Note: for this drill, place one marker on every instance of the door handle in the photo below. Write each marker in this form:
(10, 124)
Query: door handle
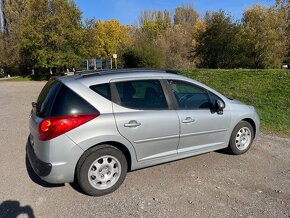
(132, 123)
(188, 120)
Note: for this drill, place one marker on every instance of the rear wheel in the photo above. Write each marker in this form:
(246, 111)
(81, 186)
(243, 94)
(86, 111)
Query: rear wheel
(241, 138)
(101, 170)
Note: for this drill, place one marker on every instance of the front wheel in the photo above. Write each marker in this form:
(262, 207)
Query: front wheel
(101, 170)
(241, 138)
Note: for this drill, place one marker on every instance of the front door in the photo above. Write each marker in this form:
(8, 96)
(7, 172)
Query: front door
(200, 126)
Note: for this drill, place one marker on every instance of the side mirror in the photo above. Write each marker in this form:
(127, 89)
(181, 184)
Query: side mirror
(219, 105)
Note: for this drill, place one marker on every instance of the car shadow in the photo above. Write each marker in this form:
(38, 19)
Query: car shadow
(13, 209)
(35, 178)
(77, 188)
(223, 151)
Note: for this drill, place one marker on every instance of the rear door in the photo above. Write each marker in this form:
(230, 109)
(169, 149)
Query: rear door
(200, 126)
(144, 117)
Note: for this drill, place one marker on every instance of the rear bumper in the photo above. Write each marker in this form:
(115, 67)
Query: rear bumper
(60, 167)
(40, 168)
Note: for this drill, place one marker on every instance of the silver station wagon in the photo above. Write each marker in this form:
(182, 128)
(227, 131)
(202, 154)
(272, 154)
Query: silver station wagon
(94, 127)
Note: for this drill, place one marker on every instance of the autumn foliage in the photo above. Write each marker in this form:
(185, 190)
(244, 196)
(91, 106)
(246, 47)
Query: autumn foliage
(51, 36)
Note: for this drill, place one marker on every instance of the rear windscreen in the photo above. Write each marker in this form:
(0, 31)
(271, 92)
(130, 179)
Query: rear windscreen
(46, 98)
(56, 99)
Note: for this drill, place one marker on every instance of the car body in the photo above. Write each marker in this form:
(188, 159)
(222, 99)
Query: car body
(149, 116)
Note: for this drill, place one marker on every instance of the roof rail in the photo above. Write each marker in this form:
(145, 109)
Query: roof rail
(89, 73)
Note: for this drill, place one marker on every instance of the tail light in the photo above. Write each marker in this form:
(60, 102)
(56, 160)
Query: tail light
(52, 127)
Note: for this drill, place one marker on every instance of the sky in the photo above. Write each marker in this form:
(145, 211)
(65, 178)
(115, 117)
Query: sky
(128, 11)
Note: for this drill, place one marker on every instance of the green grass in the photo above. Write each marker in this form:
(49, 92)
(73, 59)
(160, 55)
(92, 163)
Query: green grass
(267, 90)
(19, 78)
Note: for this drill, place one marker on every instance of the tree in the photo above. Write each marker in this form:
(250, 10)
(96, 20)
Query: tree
(90, 48)
(154, 23)
(104, 38)
(173, 39)
(185, 16)
(176, 41)
(12, 11)
(216, 45)
(197, 32)
(266, 33)
(110, 36)
(176, 45)
(283, 6)
(51, 35)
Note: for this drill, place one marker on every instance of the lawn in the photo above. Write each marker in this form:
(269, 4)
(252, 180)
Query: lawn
(267, 90)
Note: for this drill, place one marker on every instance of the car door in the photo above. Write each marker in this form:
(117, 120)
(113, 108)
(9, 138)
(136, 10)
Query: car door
(143, 117)
(201, 126)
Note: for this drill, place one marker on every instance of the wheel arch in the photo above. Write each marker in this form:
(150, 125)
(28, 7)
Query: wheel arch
(115, 144)
(122, 148)
(252, 123)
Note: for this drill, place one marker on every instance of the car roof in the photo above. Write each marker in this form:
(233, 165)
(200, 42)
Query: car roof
(103, 76)
(94, 77)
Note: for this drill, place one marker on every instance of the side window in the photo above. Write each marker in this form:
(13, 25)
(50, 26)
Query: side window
(103, 90)
(189, 96)
(142, 94)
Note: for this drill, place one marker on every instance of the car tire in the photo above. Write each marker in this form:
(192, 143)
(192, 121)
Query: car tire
(241, 138)
(101, 170)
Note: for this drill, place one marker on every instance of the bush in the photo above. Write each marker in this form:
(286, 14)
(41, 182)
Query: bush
(143, 55)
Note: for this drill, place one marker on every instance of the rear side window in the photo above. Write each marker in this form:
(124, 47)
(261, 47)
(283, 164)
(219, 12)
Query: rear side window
(46, 98)
(103, 90)
(68, 102)
(142, 94)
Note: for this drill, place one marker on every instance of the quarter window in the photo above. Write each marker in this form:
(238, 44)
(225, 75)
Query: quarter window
(143, 94)
(189, 96)
(103, 90)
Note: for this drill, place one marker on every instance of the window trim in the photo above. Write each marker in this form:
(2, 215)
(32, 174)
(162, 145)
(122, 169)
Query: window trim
(117, 100)
(210, 108)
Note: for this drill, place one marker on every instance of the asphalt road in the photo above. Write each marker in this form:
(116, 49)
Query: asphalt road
(215, 184)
